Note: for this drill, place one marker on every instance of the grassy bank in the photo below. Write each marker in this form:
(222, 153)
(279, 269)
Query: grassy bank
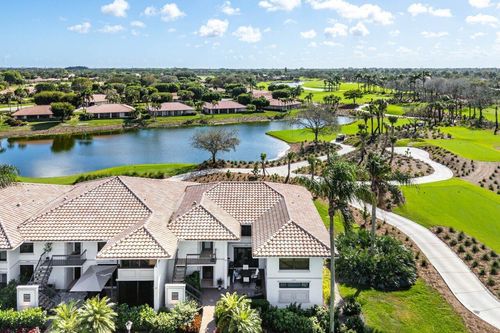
(137, 169)
(458, 204)
(418, 309)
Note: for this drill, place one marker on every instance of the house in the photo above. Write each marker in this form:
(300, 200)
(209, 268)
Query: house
(112, 110)
(276, 104)
(137, 239)
(171, 109)
(98, 99)
(224, 106)
(35, 112)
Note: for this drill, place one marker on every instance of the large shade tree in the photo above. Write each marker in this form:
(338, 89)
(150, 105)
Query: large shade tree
(318, 120)
(8, 175)
(215, 140)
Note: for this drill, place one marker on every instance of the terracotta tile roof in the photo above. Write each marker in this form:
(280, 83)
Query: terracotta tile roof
(224, 104)
(37, 110)
(99, 98)
(110, 108)
(277, 102)
(19, 202)
(173, 106)
(96, 210)
(245, 201)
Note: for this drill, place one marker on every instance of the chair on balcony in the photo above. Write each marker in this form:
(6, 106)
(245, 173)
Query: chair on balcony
(255, 275)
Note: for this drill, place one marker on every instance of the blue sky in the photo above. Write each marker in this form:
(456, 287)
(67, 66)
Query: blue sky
(250, 33)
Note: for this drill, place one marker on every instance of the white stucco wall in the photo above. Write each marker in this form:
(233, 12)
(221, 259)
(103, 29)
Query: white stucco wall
(160, 278)
(313, 276)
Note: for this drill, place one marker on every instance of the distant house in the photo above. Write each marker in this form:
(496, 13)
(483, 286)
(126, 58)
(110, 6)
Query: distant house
(171, 109)
(34, 113)
(225, 106)
(276, 104)
(111, 111)
(98, 99)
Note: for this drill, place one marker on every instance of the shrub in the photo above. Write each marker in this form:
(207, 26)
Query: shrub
(485, 257)
(194, 280)
(391, 265)
(234, 311)
(22, 320)
(461, 249)
(351, 307)
(8, 295)
(142, 316)
(474, 264)
(490, 282)
(468, 257)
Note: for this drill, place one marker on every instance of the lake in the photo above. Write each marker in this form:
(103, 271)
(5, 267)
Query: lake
(66, 154)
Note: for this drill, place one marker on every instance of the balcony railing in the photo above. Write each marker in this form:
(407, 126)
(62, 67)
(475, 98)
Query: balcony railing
(206, 257)
(68, 259)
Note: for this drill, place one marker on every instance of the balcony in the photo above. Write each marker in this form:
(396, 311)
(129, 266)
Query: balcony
(206, 257)
(66, 260)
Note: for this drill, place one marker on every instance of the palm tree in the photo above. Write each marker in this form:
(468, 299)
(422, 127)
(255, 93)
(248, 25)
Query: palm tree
(382, 180)
(313, 161)
(263, 157)
(363, 135)
(392, 120)
(338, 185)
(8, 175)
(97, 315)
(289, 157)
(65, 318)
(309, 98)
(245, 320)
(224, 309)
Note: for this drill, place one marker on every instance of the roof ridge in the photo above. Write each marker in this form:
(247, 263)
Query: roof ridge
(121, 179)
(216, 219)
(153, 237)
(2, 229)
(273, 236)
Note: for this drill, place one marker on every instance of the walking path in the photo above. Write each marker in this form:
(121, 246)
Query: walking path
(462, 282)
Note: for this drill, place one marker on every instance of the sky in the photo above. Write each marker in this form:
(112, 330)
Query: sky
(250, 33)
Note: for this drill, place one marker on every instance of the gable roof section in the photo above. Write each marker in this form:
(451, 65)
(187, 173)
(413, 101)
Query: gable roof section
(18, 203)
(96, 210)
(245, 201)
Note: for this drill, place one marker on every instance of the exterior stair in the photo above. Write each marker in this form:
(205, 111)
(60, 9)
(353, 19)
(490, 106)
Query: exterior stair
(47, 297)
(179, 273)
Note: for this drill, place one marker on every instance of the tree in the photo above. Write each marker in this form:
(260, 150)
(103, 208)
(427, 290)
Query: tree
(392, 120)
(318, 120)
(233, 314)
(263, 162)
(353, 94)
(382, 182)
(80, 84)
(13, 77)
(215, 140)
(63, 110)
(281, 93)
(210, 96)
(65, 318)
(97, 315)
(309, 98)
(289, 157)
(244, 99)
(338, 185)
(313, 161)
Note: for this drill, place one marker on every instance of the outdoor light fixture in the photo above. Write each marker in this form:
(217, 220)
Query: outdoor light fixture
(128, 326)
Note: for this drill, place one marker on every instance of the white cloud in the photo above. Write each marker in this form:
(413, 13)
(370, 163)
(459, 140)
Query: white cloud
(171, 30)
(229, 10)
(417, 8)
(394, 33)
(498, 37)
(213, 28)
(150, 11)
(368, 12)
(359, 30)
(248, 34)
(330, 43)
(480, 3)
(117, 8)
(82, 28)
(477, 35)
(111, 29)
(274, 5)
(171, 12)
(289, 21)
(431, 34)
(313, 44)
(138, 24)
(337, 30)
(308, 34)
(482, 19)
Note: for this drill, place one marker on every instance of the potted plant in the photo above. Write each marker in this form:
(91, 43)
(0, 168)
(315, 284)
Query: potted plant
(219, 283)
(47, 248)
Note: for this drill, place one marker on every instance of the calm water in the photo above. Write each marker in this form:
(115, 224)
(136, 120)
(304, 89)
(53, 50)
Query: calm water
(67, 155)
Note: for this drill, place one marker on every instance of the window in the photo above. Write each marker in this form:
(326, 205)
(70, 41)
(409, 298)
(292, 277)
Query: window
(294, 285)
(26, 298)
(26, 248)
(3, 280)
(3, 255)
(77, 248)
(246, 230)
(25, 273)
(100, 245)
(138, 263)
(243, 256)
(175, 295)
(294, 264)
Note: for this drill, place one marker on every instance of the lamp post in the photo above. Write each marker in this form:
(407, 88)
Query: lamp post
(128, 326)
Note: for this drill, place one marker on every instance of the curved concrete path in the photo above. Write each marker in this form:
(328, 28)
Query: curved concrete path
(462, 282)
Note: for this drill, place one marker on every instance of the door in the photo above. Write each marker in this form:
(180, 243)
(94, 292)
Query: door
(207, 272)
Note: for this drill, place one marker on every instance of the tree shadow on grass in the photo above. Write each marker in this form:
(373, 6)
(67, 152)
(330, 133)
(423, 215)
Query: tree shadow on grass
(44, 125)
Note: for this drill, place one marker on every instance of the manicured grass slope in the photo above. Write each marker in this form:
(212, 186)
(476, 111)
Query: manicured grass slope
(458, 204)
(140, 169)
(419, 309)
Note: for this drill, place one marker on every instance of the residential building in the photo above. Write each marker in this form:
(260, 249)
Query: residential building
(98, 99)
(35, 112)
(224, 106)
(112, 110)
(135, 239)
(276, 104)
(171, 109)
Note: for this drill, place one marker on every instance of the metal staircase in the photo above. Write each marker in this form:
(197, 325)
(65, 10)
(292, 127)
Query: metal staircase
(46, 295)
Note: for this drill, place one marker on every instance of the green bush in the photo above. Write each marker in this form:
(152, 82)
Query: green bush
(8, 295)
(194, 280)
(141, 316)
(390, 266)
(234, 314)
(27, 319)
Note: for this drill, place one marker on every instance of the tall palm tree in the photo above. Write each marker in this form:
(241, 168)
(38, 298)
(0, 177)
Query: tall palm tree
(244, 320)
(392, 120)
(8, 175)
(289, 157)
(225, 307)
(97, 315)
(263, 157)
(382, 181)
(313, 161)
(338, 185)
(65, 318)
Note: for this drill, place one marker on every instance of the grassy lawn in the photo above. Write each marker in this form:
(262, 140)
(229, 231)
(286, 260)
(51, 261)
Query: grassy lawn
(480, 145)
(419, 309)
(141, 169)
(458, 204)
